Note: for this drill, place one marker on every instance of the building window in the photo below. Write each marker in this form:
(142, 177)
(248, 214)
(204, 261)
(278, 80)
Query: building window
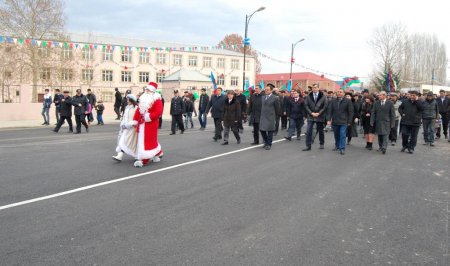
(178, 60)
(126, 56)
(108, 55)
(126, 76)
(144, 77)
(88, 54)
(221, 80)
(234, 81)
(144, 58)
(67, 53)
(220, 62)
(107, 75)
(207, 61)
(160, 77)
(235, 64)
(193, 61)
(247, 64)
(45, 73)
(43, 52)
(87, 74)
(161, 59)
(66, 74)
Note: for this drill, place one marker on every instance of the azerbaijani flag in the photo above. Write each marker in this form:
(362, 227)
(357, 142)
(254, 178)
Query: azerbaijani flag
(249, 91)
(261, 84)
(289, 86)
(213, 80)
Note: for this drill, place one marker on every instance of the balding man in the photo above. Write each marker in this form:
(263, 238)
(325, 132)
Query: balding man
(340, 114)
(383, 119)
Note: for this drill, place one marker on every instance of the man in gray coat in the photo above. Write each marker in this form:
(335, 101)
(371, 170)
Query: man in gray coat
(269, 111)
(383, 118)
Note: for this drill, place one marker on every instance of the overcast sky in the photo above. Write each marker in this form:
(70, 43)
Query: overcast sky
(336, 32)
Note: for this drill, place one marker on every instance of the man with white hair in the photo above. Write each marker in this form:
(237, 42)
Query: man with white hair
(147, 117)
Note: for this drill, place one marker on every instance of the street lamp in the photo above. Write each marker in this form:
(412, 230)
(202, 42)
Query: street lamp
(247, 41)
(292, 56)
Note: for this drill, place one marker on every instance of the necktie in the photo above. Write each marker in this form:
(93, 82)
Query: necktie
(315, 97)
(267, 97)
(382, 103)
(296, 99)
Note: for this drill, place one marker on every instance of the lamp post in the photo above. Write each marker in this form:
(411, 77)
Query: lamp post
(292, 56)
(247, 41)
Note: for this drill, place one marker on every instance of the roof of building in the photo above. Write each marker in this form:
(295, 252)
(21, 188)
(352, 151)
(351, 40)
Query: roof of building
(295, 76)
(114, 40)
(187, 75)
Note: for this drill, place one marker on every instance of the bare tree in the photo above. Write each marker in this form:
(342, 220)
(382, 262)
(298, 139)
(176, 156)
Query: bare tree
(237, 40)
(37, 20)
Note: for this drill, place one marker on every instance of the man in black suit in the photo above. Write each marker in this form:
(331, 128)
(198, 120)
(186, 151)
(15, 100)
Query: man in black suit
(65, 112)
(254, 110)
(295, 110)
(216, 105)
(383, 118)
(340, 114)
(316, 105)
(202, 104)
(284, 101)
(443, 105)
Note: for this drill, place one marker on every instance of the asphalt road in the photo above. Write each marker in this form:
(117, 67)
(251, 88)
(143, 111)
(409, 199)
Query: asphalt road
(251, 207)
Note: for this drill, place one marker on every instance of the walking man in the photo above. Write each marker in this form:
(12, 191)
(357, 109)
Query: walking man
(66, 112)
(340, 113)
(411, 112)
(176, 111)
(316, 105)
(269, 113)
(394, 131)
(57, 101)
(443, 104)
(46, 107)
(243, 107)
(93, 102)
(383, 118)
(295, 110)
(202, 104)
(80, 102)
(215, 105)
(254, 110)
(284, 101)
(117, 103)
(429, 115)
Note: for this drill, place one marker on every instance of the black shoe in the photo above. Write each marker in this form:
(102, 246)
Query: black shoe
(43, 124)
(383, 151)
(220, 137)
(299, 138)
(87, 130)
(70, 131)
(54, 130)
(410, 151)
(268, 147)
(254, 143)
(225, 143)
(403, 149)
(214, 138)
(288, 138)
(182, 131)
(370, 148)
(238, 141)
(307, 149)
(172, 133)
(432, 144)
(342, 152)
(321, 147)
(47, 124)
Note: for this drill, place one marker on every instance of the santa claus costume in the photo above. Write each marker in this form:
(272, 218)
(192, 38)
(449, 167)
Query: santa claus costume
(147, 117)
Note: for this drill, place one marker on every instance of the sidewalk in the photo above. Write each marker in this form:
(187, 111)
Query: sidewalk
(38, 123)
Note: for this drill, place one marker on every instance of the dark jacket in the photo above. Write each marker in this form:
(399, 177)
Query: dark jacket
(411, 112)
(57, 100)
(430, 109)
(443, 105)
(203, 102)
(215, 105)
(92, 99)
(340, 111)
(188, 106)
(65, 107)
(269, 113)
(118, 99)
(176, 106)
(383, 117)
(47, 102)
(254, 107)
(100, 108)
(231, 112)
(76, 101)
(284, 101)
(295, 110)
(242, 102)
(316, 107)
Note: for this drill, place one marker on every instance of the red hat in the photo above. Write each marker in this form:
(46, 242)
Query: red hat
(152, 86)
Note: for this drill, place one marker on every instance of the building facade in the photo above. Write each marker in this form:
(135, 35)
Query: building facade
(300, 80)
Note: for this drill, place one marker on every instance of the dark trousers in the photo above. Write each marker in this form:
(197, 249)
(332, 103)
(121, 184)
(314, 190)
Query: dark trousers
(117, 110)
(267, 137)
(295, 125)
(428, 130)
(177, 120)
(91, 117)
(409, 136)
(277, 124)
(256, 132)
(218, 128)
(80, 119)
(284, 120)
(445, 121)
(383, 141)
(160, 122)
(202, 118)
(394, 132)
(340, 133)
(309, 132)
(240, 125)
(226, 132)
(61, 122)
(57, 114)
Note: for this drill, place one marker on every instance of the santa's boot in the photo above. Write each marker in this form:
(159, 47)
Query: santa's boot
(118, 157)
(138, 164)
(158, 157)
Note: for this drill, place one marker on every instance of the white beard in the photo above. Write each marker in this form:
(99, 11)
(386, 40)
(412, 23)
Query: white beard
(146, 101)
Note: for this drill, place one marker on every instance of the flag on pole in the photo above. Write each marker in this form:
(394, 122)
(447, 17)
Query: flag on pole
(261, 84)
(213, 80)
(289, 86)
(246, 85)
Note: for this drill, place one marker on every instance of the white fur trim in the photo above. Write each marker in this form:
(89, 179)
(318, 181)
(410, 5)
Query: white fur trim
(141, 152)
(121, 146)
(138, 164)
(147, 117)
(150, 88)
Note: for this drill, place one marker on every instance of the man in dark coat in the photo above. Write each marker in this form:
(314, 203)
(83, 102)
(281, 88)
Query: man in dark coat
(316, 105)
(93, 102)
(340, 114)
(231, 117)
(243, 104)
(254, 110)
(411, 112)
(57, 101)
(284, 101)
(269, 113)
(202, 104)
(80, 102)
(443, 104)
(117, 102)
(295, 110)
(276, 92)
(429, 116)
(65, 111)
(383, 118)
(215, 105)
(176, 111)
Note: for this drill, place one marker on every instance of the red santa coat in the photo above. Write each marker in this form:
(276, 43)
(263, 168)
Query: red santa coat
(147, 116)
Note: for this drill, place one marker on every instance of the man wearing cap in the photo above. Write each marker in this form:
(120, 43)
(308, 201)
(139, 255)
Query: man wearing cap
(443, 104)
(202, 104)
(383, 119)
(411, 113)
(429, 115)
(147, 118)
(176, 111)
(394, 131)
(80, 102)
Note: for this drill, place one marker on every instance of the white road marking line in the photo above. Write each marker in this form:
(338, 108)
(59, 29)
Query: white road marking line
(17, 204)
